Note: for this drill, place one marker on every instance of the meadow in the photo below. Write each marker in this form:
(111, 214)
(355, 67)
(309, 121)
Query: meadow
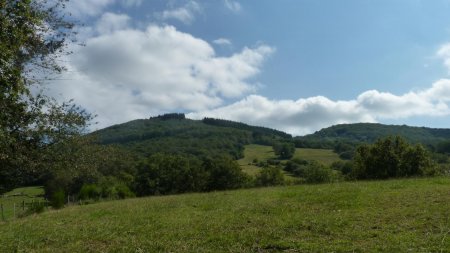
(17, 201)
(409, 215)
(263, 153)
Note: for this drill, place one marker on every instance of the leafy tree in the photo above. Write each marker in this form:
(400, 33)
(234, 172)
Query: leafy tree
(284, 150)
(270, 176)
(170, 174)
(224, 173)
(391, 157)
(32, 38)
(33, 35)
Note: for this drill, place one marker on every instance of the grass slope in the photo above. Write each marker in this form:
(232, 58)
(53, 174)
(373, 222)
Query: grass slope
(324, 156)
(389, 216)
(263, 153)
(17, 197)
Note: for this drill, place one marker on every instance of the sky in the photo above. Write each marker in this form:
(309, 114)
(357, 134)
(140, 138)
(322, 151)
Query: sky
(292, 65)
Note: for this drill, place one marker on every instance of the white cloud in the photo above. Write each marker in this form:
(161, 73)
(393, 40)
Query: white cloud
(222, 42)
(185, 14)
(233, 5)
(307, 115)
(444, 53)
(110, 22)
(123, 73)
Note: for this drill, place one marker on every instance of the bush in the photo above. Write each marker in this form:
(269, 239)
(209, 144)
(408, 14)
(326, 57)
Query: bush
(270, 176)
(89, 191)
(392, 157)
(317, 173)
(58, 199)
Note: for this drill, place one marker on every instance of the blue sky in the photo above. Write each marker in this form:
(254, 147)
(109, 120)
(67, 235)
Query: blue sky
(294, 65)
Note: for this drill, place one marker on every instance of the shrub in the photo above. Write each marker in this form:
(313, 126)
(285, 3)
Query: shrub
(270, 176)
(57, 199)
(89, 191)
(317, 173)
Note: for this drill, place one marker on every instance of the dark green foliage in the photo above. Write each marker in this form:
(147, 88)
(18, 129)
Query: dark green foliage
(443, 147)
(391, 157)
(345, 168)
(224, 173)
(356, 134)
(270, 176)
(58, 199)
(284, 150)
(309, 171)
(170, 174)
(167, 116)
(33, 35)
(89, 191)
(172, 134)
(317, 173)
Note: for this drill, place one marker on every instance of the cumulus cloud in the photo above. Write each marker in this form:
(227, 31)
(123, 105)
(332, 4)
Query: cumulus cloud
(233, 5)
(185, 14)
(444, 53)
(124, 73)
(307, 115)
(222, 42)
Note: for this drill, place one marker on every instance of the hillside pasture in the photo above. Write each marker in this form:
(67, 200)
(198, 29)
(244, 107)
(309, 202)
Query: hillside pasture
(15, 201)
(377, 216)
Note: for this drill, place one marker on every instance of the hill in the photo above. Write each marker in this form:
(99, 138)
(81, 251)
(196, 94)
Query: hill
(369, 133)
(173, 133)
(378, 216)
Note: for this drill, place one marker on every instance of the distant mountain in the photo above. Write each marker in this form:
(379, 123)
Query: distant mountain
(173, 133)
(370, 132)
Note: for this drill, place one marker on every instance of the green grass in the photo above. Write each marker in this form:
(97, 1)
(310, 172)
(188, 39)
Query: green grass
(379, 216)
(324, 156)
(18, 197)
(263, 153)
(254, 151)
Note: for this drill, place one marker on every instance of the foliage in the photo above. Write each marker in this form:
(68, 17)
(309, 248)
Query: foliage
(270, 176)
(89, 191)
(356, 134)
(33, 35)
(58, 199)
(173, 134)
(284, 150)
(391, 157)
(170, 174)
(310, 171)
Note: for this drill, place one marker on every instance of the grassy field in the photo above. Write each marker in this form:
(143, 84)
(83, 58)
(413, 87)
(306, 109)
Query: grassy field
(263, 153)
(388, 216)
(258, 152)
(18, 197)
(324, 156)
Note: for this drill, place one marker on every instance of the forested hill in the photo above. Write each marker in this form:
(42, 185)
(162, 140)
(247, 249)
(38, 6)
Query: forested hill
(370, 132)
(173, 133)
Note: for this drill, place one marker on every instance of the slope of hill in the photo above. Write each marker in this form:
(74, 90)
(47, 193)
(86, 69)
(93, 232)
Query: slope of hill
(378, 216)
(173, 133)
(370, 132)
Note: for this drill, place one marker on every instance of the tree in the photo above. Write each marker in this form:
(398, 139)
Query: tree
(391, 157)
(284, 150)
(33, 36)
(270, 176)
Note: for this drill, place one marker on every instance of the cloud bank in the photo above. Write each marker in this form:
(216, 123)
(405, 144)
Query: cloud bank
(124, 73)
(307, 115)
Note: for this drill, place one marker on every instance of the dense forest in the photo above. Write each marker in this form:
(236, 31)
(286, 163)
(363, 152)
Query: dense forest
(174, 134)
